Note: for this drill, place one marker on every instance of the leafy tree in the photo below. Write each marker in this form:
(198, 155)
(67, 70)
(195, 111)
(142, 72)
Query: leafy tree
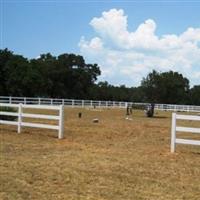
(78, 77)
(69, 76)
(18, 77)
(5, 56)
(195, 95)
(65, 76)
(151, 86)
(167, 87)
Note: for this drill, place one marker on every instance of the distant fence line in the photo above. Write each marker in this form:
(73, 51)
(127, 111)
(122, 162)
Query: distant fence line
(94, 103)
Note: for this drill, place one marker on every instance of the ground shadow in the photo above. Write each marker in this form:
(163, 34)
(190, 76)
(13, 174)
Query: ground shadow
(159, 117)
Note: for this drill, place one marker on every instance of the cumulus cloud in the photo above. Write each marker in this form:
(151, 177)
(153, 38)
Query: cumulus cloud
(126, 56)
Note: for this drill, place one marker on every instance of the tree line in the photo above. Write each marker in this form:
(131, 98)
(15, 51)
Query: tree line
(69, 76)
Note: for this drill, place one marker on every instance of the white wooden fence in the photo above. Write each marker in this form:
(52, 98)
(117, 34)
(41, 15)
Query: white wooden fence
(20, 115)
(175, 128)
(94, 103)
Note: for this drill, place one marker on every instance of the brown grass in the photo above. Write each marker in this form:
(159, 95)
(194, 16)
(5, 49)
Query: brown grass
(115, 159)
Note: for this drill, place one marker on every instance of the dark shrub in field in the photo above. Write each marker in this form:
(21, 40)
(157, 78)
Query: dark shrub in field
(5, 117)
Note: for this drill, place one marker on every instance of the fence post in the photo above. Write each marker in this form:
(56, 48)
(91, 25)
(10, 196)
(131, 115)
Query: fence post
(61, 122)
(173, 133)
(19, 118)
(82, 103)
(39, 101)
(10, 100)
(91, 103)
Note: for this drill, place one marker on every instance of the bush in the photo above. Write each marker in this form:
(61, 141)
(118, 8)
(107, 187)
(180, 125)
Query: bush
(5, 117)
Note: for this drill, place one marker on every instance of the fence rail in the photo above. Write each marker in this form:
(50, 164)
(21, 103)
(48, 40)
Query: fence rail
(93, 103)
(175, 128)
(21, 115)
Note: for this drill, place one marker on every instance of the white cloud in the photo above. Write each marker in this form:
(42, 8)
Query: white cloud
(126, 56)
(95, 44)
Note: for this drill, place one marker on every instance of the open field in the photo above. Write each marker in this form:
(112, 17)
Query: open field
(115, 159)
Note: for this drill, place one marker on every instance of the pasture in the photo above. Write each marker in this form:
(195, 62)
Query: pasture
(115, 159)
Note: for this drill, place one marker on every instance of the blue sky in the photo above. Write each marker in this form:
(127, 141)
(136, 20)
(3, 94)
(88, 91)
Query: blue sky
(31, 28)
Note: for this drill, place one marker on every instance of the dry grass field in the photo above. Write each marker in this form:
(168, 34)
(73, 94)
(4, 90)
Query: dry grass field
(115, 159)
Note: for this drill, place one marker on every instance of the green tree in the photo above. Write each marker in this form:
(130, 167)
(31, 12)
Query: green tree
(5, 56)
(151, 87)
(195, 95)
(168, 87)
(78, 77)
(65, 76)
(18, 74)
